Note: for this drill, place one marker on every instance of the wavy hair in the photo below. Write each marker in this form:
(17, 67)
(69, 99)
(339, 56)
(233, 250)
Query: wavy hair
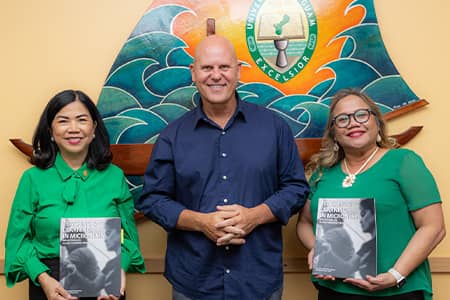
(44, 149)
(327, 157)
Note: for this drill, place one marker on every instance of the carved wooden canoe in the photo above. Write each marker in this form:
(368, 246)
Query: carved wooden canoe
(133, 158)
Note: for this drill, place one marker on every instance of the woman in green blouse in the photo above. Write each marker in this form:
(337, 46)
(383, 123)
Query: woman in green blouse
(357, 160)
(72, 177)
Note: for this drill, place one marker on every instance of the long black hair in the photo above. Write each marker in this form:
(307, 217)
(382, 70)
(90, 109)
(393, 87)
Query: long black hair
(44, 149)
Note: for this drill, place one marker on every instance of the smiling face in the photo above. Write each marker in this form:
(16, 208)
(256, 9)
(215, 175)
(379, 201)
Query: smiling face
(215, 72)
(73, 130)
(356, 136)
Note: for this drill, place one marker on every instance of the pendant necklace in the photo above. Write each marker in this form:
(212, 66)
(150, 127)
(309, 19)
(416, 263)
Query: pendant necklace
(350, 178)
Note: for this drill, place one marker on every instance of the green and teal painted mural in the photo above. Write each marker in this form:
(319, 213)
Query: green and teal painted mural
(295, 55)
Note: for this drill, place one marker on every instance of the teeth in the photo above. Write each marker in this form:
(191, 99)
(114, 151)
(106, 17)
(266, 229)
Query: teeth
(216, 87)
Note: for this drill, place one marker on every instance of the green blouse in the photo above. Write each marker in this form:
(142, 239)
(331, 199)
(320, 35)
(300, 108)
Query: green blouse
(400, 183)
(43, 197)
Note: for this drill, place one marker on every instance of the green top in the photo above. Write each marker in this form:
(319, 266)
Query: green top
(400, 183)
(43, 197)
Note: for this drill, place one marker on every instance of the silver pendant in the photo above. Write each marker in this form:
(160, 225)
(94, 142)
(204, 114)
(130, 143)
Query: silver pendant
(348, 181)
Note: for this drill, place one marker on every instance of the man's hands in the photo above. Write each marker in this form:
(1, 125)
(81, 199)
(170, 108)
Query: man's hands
(230, 224)
(232, 234)
(237, 226)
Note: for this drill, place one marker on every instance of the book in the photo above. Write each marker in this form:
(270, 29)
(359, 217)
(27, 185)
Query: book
(90, 251)
(346, 242)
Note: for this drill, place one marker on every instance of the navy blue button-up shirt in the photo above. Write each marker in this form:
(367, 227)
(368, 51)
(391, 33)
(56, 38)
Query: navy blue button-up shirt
(197, 165)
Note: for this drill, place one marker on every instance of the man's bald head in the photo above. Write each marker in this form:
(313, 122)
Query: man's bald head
(216, 72)
(214, 42)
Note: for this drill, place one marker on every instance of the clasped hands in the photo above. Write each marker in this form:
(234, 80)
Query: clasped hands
(230, 224)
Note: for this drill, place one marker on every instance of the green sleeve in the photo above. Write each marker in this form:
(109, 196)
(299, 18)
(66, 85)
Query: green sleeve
(132, 260)
(417, 183)
(21, 259)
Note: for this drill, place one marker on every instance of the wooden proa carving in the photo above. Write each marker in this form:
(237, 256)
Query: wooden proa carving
(133, 158)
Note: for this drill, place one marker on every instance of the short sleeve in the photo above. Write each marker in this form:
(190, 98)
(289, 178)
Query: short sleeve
(416, 182)
(313, 181)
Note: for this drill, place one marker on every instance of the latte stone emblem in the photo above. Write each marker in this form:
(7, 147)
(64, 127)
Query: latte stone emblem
(281, 36)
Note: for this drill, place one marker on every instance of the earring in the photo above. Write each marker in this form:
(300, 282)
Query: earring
(378, 138)
(93, 136)
(336, 147)
(52, 139)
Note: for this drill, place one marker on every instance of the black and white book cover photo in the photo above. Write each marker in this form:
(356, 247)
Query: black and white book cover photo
(346, 243)
(90, 256)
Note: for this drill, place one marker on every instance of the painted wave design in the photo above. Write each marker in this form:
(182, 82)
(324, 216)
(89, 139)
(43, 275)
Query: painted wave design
(369, 8)
(149, 84)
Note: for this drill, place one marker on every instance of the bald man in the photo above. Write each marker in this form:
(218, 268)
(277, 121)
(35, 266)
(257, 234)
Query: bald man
(222, 180)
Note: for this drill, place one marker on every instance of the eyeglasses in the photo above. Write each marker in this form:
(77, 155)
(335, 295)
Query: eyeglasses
(360, 116)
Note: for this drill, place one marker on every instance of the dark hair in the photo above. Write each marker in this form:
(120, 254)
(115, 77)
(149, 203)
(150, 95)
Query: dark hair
(366, 205)
(44, 150)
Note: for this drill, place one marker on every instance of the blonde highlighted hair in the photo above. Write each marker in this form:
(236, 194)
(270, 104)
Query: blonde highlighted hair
(327, 157)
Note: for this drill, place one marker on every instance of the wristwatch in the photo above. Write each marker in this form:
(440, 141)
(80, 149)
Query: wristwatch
(398, 277)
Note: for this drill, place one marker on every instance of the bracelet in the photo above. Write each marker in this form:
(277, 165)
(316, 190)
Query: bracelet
(399, 278)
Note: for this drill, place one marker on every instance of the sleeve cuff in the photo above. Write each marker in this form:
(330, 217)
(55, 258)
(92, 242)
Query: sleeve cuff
(278, 212)
(132, 261)
(33, 267)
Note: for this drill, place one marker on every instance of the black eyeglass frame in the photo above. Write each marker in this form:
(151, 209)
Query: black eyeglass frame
(368, 110)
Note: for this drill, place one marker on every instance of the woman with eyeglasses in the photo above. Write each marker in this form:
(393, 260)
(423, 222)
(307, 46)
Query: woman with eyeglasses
(358, 160)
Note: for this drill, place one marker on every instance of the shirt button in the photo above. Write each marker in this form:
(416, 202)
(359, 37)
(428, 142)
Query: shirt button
(227, 271)
(224, 154)
(223, 132)
(224, 177)
(225, 200)
(227, 248)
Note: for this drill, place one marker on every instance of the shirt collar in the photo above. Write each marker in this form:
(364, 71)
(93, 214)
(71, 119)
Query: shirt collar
(240, 112)
(66, 172)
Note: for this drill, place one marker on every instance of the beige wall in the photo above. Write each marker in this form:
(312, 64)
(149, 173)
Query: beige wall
(50, 45)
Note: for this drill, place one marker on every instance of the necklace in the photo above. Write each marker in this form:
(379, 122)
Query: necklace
(351, 177)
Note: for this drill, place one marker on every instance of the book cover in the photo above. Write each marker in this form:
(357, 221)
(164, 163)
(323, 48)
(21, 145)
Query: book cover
(90, 256)
(346, 242)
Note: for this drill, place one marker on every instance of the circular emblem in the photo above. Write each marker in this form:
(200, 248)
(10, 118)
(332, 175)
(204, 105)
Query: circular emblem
(281, 36)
